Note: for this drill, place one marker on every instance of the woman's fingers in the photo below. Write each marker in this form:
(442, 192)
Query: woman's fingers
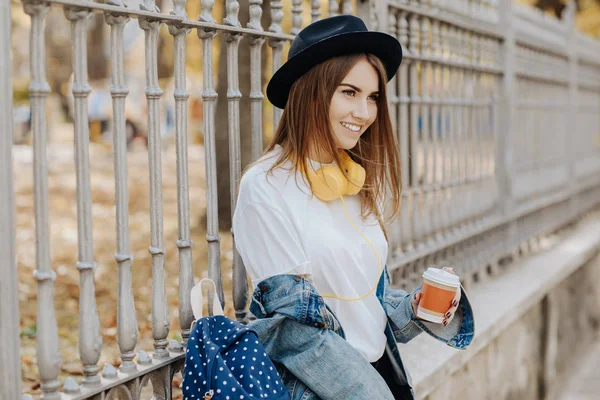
(449, 316)
(414, 301)
(450, 269)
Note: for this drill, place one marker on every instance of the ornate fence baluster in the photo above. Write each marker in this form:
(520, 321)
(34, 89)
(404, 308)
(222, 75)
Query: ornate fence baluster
(467, 91)
(315, 10)
(256, 94)
(277, 49)
(459, 133)
(478, 127)
(10, 360)
(240, 286)
(160, 312)
(404, 138)
(347, 7)
(209, 102)
(426, 187)
(127, 327)
(436, 132)
(460, 195)
(90, 340)
(446, 143)
(184, 242)
(333, 8)
(393, 83)
(394, 236)
(472, 180)
(453, 186)
(47, 351)
(494, 88)
(296, 16)
(416, 157)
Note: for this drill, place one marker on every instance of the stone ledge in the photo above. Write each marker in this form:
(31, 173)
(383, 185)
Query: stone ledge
(498, 302)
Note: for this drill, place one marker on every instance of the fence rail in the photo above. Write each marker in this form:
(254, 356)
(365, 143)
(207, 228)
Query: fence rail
(496, 108)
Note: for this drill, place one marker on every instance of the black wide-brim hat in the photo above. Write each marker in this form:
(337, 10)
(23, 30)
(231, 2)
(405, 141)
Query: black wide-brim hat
(329, 38)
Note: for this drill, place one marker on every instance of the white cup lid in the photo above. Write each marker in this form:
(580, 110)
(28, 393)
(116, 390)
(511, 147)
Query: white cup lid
(440, 276)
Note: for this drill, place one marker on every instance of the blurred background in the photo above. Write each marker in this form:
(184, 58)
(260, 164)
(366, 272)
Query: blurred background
(62, 182)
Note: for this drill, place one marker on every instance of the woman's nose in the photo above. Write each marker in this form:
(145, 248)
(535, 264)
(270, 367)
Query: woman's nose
(361, 111)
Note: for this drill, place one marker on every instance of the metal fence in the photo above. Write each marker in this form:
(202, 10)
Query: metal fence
(497, 112)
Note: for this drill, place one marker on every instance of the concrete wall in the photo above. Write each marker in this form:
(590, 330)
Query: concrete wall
(512, 366)
(533, 322)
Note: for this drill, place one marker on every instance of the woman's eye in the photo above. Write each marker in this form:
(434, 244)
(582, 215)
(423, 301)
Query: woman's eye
(374, 98)
(349, 92)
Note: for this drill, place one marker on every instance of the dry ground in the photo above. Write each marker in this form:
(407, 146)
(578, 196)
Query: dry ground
(63, 241)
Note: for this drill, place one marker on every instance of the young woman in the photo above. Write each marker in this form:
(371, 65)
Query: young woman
(310, 222)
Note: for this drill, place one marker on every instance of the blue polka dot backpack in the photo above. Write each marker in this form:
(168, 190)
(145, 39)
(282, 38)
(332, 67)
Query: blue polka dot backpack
(224, 359)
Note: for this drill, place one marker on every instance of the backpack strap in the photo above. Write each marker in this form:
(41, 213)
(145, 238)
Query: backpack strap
(197, 301)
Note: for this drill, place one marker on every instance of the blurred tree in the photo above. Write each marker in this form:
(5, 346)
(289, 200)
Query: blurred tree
(587, 17)
(166, 46)
(96, 56)
(555, 6)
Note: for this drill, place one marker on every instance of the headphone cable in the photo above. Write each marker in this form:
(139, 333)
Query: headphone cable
(332, 296)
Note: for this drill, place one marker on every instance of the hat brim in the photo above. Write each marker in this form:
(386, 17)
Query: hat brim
(383, 46)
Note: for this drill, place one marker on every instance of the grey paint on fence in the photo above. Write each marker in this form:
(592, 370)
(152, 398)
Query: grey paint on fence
(481, 87)
(10, 362)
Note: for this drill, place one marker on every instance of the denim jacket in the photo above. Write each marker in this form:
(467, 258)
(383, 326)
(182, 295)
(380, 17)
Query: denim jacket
(307, 342)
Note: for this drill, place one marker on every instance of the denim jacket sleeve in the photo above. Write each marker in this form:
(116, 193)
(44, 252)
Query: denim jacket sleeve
(405, 326)
(298, 330)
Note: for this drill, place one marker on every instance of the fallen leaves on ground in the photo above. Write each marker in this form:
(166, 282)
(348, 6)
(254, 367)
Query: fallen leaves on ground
(63, 240)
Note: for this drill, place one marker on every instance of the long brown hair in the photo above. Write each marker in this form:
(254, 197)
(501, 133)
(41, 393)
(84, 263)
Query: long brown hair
(305, 121)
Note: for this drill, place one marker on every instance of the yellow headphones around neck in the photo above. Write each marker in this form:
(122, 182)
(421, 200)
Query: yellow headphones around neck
(329, 182)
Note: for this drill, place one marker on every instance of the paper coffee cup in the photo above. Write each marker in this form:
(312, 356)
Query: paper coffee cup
(438, 291)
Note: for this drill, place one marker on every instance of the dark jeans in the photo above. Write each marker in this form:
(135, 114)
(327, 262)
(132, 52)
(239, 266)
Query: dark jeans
(385, 369)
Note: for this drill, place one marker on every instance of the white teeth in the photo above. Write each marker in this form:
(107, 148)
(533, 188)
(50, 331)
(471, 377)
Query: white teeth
(354, 128)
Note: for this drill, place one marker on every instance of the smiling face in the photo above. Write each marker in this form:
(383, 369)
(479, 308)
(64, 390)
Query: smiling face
(336, 105)
(353, 106)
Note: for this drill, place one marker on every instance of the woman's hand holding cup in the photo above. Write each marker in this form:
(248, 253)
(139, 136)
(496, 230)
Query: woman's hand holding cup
(440, 291)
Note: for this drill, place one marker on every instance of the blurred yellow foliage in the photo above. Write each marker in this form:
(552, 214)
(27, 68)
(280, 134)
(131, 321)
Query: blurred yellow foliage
(587, 18)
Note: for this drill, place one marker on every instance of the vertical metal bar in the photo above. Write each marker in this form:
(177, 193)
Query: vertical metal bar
(478, 128)
(574, 96)
(504, 120)
(333, 8)
(444, 128)
(461, 133)
(404, 139)
(468, 190)
(453, 129)
(240, 286)
(392, 84)
(296, 16)
(47, 349)
(256, 94)
(10, 361)
(465, 140)
(184, 241)
(127, 327)
(209, 103)
(425, 210)
(394, 237)
(438, 155)
(347, 7)
(90, 340)
(415, 100)
(160, 312)
(277, 49)
(315, 10)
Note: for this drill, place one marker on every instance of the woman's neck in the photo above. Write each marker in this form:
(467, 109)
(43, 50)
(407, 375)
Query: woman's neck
(321, 156)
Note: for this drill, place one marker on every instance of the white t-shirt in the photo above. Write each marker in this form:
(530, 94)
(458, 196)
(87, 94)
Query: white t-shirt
(281, 228)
